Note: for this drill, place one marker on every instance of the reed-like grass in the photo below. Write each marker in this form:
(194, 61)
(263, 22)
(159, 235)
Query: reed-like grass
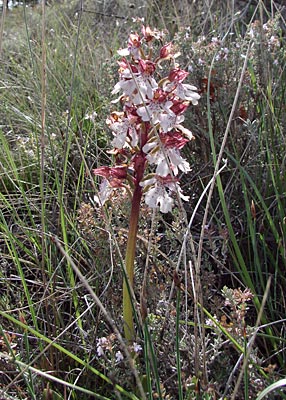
(61, 264)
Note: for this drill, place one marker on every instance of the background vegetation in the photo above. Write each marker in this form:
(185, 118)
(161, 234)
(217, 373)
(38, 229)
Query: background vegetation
(215, 269)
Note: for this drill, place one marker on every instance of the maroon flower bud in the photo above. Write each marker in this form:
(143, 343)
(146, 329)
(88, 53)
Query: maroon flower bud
(167, 51)
(119, 172)
(173, 140)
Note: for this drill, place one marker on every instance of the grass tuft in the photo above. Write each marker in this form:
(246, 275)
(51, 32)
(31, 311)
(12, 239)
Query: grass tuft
(209, 307)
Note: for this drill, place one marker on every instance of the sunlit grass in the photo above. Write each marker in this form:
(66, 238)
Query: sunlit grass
(54, 266)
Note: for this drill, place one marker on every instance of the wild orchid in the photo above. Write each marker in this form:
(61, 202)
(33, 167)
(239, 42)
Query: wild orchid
(148, 136)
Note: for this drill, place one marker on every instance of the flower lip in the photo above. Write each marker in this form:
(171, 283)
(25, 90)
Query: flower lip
(158, 192)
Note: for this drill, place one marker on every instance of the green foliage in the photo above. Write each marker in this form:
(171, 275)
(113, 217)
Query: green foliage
(51, 325)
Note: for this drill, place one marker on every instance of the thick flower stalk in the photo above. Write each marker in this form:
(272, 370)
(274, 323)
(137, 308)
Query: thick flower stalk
(148, 136)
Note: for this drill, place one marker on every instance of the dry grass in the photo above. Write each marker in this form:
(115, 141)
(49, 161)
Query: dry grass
(52, 323)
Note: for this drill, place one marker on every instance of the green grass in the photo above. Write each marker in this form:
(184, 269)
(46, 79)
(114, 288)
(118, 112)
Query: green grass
(61, 256)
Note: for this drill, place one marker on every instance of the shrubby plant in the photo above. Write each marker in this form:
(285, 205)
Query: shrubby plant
(215, 63)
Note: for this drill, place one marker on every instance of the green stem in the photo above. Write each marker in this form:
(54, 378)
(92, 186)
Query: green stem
(178, 355)
(128, 282)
